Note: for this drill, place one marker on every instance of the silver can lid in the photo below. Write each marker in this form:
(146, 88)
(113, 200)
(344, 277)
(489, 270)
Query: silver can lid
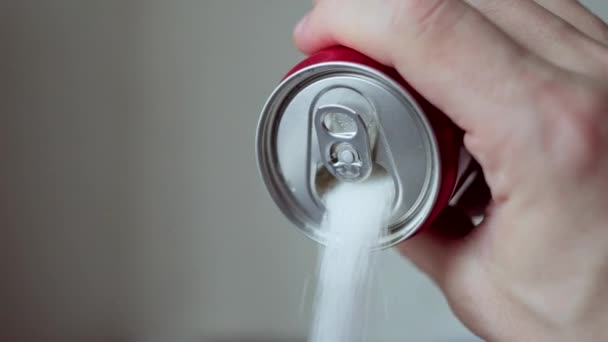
(401, 143)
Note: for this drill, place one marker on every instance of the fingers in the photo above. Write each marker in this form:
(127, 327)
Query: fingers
(541, 31)
(441, 249)
(438, 46)
(580, 17)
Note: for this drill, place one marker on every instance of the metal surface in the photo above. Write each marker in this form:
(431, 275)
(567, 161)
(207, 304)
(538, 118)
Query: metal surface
(344, 143)
(293, 167)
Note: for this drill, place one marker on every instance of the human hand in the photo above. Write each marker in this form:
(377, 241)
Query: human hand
(528, 82)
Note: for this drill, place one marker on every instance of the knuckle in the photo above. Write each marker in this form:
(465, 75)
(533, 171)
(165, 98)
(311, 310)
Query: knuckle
(574, 131)
(601, 29)
(421, 16)
(564, 30)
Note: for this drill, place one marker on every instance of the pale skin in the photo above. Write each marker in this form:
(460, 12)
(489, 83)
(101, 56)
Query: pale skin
(528, 82)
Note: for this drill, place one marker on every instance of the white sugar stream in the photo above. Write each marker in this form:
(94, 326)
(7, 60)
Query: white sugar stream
(357, 216)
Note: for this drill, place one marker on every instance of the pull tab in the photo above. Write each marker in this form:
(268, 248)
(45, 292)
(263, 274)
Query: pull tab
(344, 142)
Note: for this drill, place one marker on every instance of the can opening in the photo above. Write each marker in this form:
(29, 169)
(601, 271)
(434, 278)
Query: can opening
(325, 181)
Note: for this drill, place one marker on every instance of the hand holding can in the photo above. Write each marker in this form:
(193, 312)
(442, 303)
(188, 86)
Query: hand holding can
(528, 84)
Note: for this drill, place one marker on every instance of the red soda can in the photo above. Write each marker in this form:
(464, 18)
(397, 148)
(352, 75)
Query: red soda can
(341, 116)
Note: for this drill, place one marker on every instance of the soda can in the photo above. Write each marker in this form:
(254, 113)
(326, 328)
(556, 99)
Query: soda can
(341, 116)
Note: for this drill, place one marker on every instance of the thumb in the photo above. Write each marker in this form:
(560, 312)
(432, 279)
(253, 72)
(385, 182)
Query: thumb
(439, 249)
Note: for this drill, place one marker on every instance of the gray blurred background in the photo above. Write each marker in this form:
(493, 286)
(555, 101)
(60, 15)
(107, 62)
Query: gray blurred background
(130, 203)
